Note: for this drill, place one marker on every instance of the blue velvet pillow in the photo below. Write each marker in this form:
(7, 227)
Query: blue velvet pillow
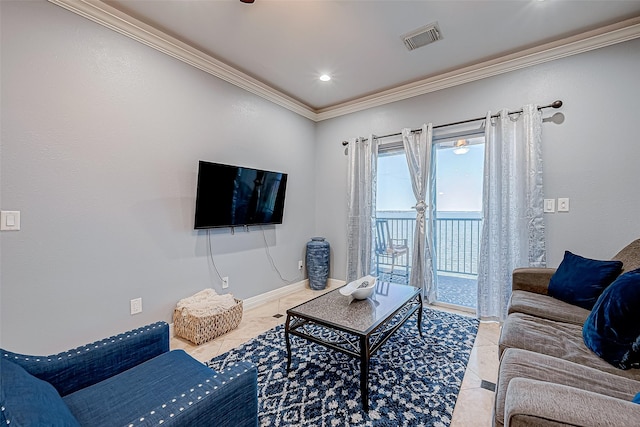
(612, 330)
(636, 399)
(29, 401)
(580, 281)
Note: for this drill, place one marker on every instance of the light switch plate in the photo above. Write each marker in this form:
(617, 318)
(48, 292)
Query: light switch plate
(10, 220)
(549, 205)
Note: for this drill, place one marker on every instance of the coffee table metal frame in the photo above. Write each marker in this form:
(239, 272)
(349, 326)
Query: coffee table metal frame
(359, 343)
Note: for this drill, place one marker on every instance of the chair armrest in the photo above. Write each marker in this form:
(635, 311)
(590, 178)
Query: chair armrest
(531, 402)
(81, 367)
(532, 279)
(228, 399)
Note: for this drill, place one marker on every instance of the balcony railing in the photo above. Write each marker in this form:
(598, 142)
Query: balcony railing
(457, 245)
(457, 242)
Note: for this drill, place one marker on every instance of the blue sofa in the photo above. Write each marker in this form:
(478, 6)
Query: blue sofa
(131, 379)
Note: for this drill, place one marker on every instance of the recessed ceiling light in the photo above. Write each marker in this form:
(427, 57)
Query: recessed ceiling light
(325, 77)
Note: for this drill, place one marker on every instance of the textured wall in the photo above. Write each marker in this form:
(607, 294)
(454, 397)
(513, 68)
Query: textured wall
(592, 157)
(101, 138)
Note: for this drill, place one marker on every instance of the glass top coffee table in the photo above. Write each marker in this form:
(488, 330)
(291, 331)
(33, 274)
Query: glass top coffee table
(355, 327)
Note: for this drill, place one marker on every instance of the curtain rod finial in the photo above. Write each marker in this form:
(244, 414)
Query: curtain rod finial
(556, 104)
(345, 143)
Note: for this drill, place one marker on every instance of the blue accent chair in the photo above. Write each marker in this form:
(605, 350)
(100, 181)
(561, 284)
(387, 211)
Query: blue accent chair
(131, 379)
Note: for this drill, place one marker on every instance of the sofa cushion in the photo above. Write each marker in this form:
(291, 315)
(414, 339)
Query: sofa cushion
(132, 394)
(630, 256)
(557, 339)
(171, 389)
(546, 307)
(580, 281)
(612, 330)
(537, 403)
(28, 401)
(517, 363)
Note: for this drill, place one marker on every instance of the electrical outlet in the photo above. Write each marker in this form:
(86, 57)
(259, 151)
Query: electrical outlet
(225, 282)
(563, 204)
(136, 306)
(300, 265)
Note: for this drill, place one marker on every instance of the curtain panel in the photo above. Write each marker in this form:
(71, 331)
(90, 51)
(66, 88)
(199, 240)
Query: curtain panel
(513, 222)
(419, 151)
(361, 193)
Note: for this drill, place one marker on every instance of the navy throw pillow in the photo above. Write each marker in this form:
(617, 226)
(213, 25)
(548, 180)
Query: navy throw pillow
(29, 401)
(580, 281)
(612, 330)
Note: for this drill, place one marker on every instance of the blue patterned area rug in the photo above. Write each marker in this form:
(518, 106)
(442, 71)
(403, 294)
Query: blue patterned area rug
(413, 381)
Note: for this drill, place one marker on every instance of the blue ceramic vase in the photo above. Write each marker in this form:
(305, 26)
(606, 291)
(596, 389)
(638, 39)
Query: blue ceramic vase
(318, 263)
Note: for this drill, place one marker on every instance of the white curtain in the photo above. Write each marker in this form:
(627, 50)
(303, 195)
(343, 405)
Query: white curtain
(513, 224)
(418, 148)
(361, 193)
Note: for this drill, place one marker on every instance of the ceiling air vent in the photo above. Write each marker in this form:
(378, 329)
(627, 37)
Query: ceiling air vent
(422, 36)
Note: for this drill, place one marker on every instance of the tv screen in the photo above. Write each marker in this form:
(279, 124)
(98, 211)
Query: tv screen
(232, 196)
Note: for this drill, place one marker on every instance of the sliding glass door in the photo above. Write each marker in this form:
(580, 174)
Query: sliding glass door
(459, 178)
(459, 172)
(395, 217)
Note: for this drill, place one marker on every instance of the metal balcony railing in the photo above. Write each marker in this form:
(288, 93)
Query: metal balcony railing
(457, 245)
(457, 242)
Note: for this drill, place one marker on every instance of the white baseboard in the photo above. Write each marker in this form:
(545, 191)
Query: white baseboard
(276, 294)
(335, 283)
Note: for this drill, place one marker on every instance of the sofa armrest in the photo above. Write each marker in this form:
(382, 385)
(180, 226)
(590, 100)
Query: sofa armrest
(532, 279)
(81, 367)
(531, 402)
(228, 399)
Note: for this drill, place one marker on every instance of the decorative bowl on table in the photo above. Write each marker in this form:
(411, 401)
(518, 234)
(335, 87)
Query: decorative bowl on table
(361, 288)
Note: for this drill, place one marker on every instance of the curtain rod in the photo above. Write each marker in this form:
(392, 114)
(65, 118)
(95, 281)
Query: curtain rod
(555, 104)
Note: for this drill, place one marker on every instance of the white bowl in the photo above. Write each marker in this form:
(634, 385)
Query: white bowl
(353, 289)
(364, 293)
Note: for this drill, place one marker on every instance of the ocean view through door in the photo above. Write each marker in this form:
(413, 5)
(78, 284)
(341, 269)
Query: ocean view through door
(459, 178)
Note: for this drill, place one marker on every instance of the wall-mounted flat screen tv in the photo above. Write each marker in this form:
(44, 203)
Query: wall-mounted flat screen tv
(234, 196)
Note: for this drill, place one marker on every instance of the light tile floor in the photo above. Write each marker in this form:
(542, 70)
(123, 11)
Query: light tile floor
(474, 406)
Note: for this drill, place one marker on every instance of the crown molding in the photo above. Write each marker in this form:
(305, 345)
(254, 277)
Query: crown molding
(122, 23)
(584, 42)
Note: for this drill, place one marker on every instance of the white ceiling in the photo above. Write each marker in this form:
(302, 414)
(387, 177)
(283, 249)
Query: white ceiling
(287, 45)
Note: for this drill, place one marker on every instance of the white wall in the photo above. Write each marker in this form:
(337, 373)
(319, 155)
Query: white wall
(101, 138)
(592, 157)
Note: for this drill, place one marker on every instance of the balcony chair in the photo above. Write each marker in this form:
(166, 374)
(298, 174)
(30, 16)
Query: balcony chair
(388, 247)
(131, 379)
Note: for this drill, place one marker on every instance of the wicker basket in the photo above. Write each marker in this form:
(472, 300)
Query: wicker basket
(201, 329)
